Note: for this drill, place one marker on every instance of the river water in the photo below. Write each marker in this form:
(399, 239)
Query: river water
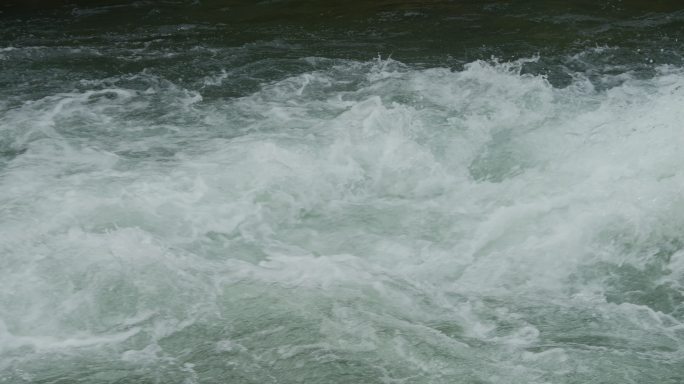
(368, 192)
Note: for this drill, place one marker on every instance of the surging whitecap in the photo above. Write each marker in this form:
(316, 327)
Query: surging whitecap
(365, 222)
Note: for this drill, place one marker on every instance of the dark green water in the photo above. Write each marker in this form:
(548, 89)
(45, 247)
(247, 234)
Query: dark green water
(363, 192)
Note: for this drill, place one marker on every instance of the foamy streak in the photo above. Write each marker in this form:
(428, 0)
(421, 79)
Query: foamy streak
(429, 225)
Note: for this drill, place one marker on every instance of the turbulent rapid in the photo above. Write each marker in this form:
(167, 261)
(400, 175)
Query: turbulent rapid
(343, 221)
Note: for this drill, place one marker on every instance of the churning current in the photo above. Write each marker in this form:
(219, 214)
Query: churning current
(277, 213)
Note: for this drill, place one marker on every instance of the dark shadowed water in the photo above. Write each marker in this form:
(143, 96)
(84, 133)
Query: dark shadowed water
(485, 192)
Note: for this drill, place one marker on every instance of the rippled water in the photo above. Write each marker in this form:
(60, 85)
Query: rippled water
(287, 192)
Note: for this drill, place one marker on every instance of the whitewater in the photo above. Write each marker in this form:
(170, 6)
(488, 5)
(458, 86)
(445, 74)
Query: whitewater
(359, 222)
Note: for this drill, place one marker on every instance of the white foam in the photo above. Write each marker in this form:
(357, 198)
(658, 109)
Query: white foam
(388, 201)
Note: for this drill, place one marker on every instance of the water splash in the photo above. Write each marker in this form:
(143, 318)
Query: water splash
(362, 222)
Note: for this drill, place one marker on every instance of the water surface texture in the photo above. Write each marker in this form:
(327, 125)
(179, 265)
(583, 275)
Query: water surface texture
(397, 192)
